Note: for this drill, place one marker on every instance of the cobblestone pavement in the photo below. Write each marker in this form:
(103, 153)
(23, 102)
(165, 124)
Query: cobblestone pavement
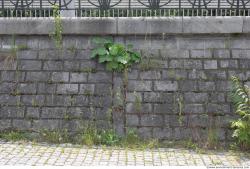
(23, 153)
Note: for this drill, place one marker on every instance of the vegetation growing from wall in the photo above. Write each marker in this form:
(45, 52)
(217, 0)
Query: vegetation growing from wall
(241, 126)
(115, 56)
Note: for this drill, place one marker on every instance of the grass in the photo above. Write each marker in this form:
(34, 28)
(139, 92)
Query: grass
(90, 136)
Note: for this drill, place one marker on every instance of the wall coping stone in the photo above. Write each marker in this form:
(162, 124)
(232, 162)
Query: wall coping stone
(127, 26)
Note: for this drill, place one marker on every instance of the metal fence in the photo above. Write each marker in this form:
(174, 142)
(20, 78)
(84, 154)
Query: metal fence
(125, 8)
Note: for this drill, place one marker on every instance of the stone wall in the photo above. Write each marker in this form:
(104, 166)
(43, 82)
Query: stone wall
(178, 91)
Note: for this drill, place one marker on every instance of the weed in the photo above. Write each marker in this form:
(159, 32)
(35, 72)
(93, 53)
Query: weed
(57, 34)
(109, 137)
(13, 135)
(56, 136)
(138, 102)
(212, 140)
(89, 136)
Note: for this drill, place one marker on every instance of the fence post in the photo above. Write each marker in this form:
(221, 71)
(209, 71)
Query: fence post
(70, 10)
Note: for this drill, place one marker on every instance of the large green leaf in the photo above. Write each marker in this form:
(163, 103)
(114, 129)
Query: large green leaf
(98, 51)
(112, 65)
(98, 40)
(104, 58)
(116, 49)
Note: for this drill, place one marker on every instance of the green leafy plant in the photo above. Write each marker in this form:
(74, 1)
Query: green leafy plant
(240, 96)
(115, 56)
(109, 137)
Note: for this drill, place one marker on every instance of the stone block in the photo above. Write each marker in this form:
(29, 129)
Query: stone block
(67, 88)
(90, 89)
(174, 53)
(165, 86)
(148, 75)
(12, 112)
(32, 113)
(132, 120)
(210, 64)
(60, 76)
(230, 64)
(29, 65)
(103, 77)
(37, 76)
(53, 65)
(212, 24)
(162, 133)
(194, 108)
(218, 108)
(205, 53)
(165, 108)
(158, 97)
(206, 86)
(174, 74)
(192, 97)
(71, 66)
(152, 120)
(53, 112)
(46, 88)
(216, 74)
(221, 53)
(145, 132)
(6, 99)
(27, 54)
(5, 124)
(26, 88)
(140, 108)
(58, 100)
(21, 124)
(78, 77)
(240, 54)
(33, 100)
(136, 85)
(188, 85)
(48, 124)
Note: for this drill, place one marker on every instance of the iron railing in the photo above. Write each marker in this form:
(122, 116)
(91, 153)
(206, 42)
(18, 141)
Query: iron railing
(125, 8)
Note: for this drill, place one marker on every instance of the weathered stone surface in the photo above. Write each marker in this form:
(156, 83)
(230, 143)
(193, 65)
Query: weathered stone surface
(201, 53)
(179, 90)
(60, 76)
(55, 113)
(37, 76)
(21, 124)
(165, 86)
(158, 97)
(162, 133)
(132, 120)
(151, 120)
(196, 97)
(5, 124)
(33, 112)
(138, 108)
(212, 25)
(12, 112)
(67, 88)
(193, 108)
(100, 77)
(210, 64)
(135, 85)
(78, 77)
(39, 125)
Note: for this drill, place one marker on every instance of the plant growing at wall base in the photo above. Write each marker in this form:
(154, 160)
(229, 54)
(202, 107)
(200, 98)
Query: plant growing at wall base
(241, 99)
(115, 56)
